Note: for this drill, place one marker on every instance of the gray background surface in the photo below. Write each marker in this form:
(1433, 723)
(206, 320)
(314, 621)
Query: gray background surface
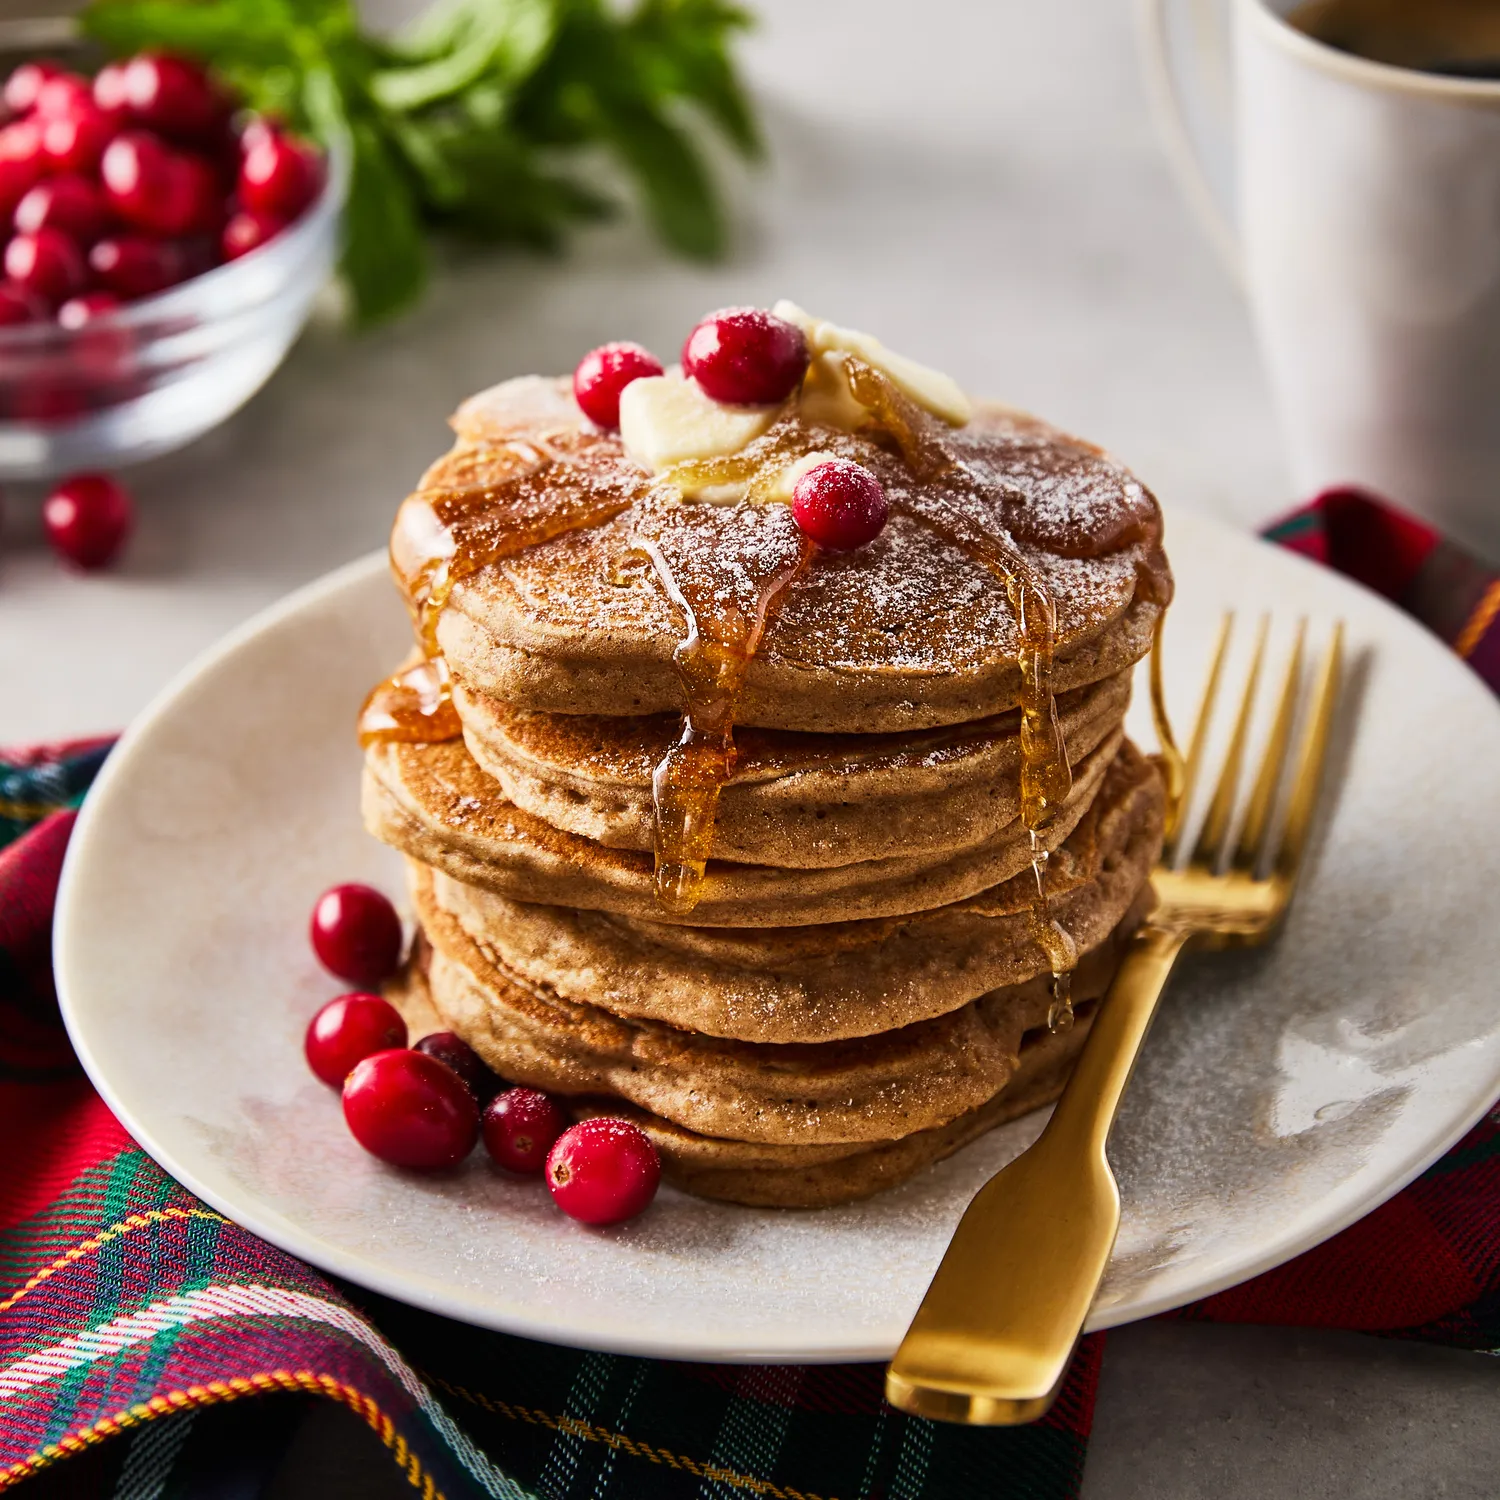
(980, 184)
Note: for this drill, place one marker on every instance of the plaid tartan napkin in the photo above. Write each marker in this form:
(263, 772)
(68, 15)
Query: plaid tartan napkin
(134, 1320)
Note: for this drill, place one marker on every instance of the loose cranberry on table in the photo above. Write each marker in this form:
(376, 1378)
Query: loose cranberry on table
(602, 1171)
(448, 1047)
(48, 264)
(602, 375)
(279, 176)
(87, 519)
(356, 934)
(520, 1127)
(840, 505)
(69, 202)
(349, 1029)
(745, 356)
(410, 1110)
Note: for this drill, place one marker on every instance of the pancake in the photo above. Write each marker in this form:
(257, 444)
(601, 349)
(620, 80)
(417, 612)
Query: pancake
(767, 1176)
(907, 632)
(869, 1089)
(433, 803)
(793, 800)
(825, 983)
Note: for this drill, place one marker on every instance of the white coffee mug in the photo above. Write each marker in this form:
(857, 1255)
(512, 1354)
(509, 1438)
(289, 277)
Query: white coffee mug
(1360, 205)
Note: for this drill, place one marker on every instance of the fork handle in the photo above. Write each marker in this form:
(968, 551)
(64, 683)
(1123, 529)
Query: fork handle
(991, 1341)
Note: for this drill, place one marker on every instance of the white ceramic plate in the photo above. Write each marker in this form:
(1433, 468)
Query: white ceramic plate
(1282, 1095)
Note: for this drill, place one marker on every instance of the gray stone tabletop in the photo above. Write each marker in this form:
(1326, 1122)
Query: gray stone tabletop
(979, 184)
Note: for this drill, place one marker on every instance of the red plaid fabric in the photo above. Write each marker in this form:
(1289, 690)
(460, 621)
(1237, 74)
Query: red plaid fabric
(135, 1322)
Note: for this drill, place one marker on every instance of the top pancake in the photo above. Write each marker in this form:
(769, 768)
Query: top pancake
(907, 632)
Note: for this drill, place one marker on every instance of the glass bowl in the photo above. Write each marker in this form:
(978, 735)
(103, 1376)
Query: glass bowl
(161, 371)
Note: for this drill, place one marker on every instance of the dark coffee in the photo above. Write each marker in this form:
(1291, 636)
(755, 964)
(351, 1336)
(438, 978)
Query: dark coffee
(1458, 37)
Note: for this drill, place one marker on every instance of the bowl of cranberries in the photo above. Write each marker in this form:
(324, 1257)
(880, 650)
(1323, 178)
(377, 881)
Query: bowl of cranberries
(160, 249)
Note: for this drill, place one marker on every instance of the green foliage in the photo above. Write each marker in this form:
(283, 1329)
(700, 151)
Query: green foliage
(475, 117)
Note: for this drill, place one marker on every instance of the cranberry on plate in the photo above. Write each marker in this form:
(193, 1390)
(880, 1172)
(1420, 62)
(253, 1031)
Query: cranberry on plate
(603, 1171)
(87, 519)
(411, 1110)
(746, 356)
(602, 375)
(448, 1047)
(356, 934)
(520, 1127)
(840, 505)
(349, 1029)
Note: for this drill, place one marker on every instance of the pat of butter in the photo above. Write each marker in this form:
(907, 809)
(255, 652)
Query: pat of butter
(931, 389)
(779, 490)
(667, 420)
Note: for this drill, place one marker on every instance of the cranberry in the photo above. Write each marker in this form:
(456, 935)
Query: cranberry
(70, 203)
(520, 1127)
(603, 1170)
(21, 162)
(246, 232)
(356, 934)
(410, 1110)
(840, 505)
(25, 84)
(450, 1048)
(79, 312)
(87, 519)
(132, 266)
(158, 189)
(109, 87)
(74, 142)
(745, 356)
(279, 176)
(172, 95)
(18, 305)
(47, 264)
(63, 94)
(349, 1029)
(603, 373)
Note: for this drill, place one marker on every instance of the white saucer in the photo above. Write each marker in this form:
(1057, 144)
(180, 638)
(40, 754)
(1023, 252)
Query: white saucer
(1282, 1095)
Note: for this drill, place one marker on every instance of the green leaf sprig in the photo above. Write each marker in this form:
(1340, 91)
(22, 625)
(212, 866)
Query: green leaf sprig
(478, 117)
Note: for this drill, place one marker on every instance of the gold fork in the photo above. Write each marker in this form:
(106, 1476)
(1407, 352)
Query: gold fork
(993, 1336)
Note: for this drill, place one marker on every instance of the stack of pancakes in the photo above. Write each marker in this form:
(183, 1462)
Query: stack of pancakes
(860, 988)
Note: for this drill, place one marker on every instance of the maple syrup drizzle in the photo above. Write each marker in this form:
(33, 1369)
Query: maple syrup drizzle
(725, 596)
(413, 707)
(939, 504)
(478, 506)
